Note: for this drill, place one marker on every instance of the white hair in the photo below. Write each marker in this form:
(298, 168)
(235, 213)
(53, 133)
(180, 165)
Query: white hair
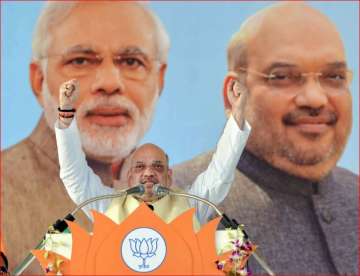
(56, 11)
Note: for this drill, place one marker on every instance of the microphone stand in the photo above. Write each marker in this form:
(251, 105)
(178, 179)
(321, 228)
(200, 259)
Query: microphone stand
(233, 224)
(60, 225)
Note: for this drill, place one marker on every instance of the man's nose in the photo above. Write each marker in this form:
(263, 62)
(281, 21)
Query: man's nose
(108, 79)
(312, 95)
(148, 172)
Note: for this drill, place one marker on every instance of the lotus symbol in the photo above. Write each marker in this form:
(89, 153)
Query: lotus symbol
(144, 248)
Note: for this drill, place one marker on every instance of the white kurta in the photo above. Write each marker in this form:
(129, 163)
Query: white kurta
(213, 184)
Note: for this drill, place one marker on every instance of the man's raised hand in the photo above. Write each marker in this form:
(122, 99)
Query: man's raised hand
(238, 96)
(68, 94)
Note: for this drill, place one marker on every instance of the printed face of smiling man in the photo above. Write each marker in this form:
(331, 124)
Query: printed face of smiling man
(299, 103)
(116, 63)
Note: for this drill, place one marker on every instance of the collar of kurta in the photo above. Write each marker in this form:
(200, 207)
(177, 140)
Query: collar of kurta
(334, 204)
(272, 178)
(168, 208)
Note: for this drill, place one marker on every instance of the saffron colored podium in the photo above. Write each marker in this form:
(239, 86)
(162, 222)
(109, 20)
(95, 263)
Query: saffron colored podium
(144, 244)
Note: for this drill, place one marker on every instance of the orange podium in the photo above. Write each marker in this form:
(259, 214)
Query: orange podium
(144, 244)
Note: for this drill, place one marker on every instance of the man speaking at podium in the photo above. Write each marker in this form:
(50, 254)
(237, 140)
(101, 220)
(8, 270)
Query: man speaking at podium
(148, 164)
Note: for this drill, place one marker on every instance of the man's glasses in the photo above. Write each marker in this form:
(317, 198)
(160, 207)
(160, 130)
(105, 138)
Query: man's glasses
(131, 66)
(333, 80)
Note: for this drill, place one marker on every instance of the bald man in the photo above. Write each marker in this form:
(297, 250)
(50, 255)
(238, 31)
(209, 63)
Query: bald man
(296, 204)
(148, 166)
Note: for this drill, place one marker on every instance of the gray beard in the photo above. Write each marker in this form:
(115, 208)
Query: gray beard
(104, 141)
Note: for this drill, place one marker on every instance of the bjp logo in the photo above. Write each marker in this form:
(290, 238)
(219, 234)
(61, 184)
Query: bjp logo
(145, 244)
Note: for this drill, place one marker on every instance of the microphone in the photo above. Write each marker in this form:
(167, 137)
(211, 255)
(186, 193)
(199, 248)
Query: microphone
(60, 225)
(233, 224)
(163, 191)
(160, 190)
(139, 189)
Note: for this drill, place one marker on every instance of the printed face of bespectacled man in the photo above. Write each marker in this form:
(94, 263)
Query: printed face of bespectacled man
(149, 166)
(111, 49)
(301, 112)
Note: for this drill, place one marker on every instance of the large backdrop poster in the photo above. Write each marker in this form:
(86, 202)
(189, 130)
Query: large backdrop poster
(190, 115)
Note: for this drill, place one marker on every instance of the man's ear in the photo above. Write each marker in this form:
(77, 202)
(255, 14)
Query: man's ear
(36, 80)
(129, 177)
(161, 77)
(229, 82)
(169, 178)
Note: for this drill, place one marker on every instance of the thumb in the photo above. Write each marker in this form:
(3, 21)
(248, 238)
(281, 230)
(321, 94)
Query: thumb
(69, 92)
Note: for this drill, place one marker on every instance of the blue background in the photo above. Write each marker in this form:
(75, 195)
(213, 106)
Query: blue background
(190, 114)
